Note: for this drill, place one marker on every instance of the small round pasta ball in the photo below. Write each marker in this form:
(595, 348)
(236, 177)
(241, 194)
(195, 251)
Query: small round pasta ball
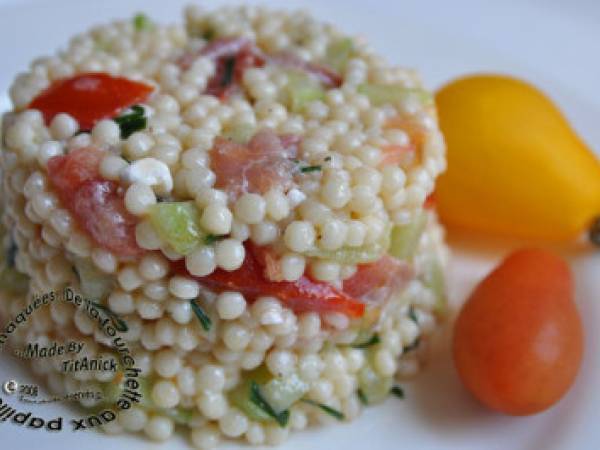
(159, 428)
(153, 266)
(292, 266)
(106, 132)
(230, 305)
(165, 394)
(133, 419)
(216, 218)
(167, 363)
(333, 234)
(111, 166)
(234, 423)
(205, 438)
(255, 434)
(146, 236)
(264, 233)
(336, 193)
(236, 336)
(324, 270)
(138, 145)
(281, 362)
(299, 236)
(211, 377)
(63, 126)
(139, 198)
(277, 205)
(229, 254)
(184, 287)
(250, 208)
(202, 261)
(212, 404)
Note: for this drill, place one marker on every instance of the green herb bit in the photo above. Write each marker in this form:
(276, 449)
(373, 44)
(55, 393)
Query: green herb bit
(595, 232)
(397, 391)
(309, 169)
(142, 22)
(257, 398)
(119, 323)
(412, 314)
(76, 272)
(413, 346)
(373, 341)
(131, 122)
(362, 397)
(212, 238)
(201, 315)
(208, 35)
(328, 409)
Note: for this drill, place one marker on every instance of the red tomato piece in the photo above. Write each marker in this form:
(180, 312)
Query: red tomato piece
(96, 204)
(375, 281)
(90, 97)
(301, 295)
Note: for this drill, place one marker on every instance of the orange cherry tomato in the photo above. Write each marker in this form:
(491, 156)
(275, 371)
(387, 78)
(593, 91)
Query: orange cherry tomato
(518, 340)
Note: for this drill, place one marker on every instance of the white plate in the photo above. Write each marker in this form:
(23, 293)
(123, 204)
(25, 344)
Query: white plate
(552, 43)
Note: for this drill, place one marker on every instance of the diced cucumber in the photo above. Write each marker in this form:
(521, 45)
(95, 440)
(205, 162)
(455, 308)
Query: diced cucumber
(280, 393)
(405, 238)
(180, 416)
(339, 53)
(178, 224)
(241, 133)
(94, 284)
(435, 280)
(301, 90)
(240, 397)
(380, 94)
(355, 255)
(373, 387)
(283, 392)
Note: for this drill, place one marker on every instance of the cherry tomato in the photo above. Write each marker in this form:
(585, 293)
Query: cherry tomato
(518, 341)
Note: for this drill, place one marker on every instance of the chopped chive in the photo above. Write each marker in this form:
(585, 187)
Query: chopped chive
(257, 398)
(212, 238)
(397, 391)
(201, 315)
(228, 71)
(595, 232)
(76, 272)
(413, 346)
(412, 314)
(309, 169)
(11, 253)
(328, 409)
(374, 340)
(208, 35)
(141, 22)
(362, 397)
(131, 122)
(119, 323)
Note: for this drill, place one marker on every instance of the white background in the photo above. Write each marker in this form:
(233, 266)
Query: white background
(555, 44)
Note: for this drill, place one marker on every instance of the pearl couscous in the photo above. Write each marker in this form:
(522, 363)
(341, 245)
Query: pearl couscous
(248, 196)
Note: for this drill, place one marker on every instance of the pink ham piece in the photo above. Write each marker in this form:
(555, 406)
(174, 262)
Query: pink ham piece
(374, 282)
(265, 162)
(96, 204)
